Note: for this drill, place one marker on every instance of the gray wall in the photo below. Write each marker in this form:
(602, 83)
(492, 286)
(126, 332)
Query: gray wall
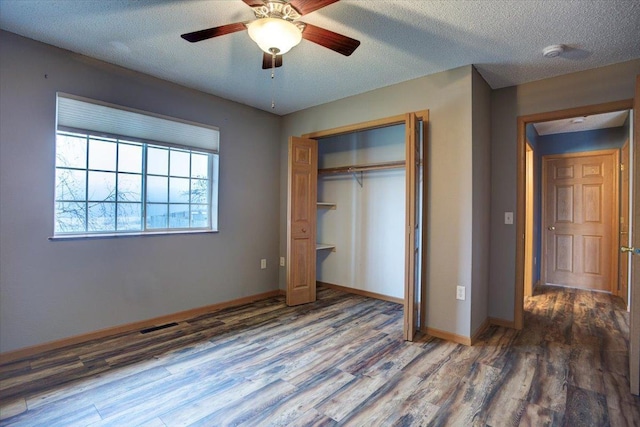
(600, 85)
(481, 133)
(51, 290)
(447, 96)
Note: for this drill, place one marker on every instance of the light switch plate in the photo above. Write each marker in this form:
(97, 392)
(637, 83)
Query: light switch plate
(281, 261)
(460, 293)
(263, 264)
(508, 217)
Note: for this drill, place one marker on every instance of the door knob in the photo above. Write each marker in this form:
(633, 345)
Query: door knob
(551, 228)
(625, 249)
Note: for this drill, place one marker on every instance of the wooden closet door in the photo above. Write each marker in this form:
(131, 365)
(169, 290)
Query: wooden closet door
(301, 220)
(411, 292)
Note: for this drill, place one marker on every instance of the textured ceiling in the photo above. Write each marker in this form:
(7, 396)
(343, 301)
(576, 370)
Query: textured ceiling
(401, 40)
(596, 121)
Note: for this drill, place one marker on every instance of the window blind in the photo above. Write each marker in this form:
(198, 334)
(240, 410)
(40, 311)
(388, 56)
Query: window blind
(96, 116)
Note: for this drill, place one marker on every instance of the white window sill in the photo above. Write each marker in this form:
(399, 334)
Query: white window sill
(120, 235)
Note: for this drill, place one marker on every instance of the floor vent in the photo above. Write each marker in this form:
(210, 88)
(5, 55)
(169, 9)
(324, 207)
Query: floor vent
(157, 328)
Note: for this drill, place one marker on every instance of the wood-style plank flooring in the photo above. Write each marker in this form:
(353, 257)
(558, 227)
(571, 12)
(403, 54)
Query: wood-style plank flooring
(339, 361)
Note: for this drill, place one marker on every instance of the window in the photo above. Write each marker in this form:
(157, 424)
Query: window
(113, 184)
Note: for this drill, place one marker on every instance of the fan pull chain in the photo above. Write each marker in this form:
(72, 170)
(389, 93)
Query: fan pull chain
(273, 77)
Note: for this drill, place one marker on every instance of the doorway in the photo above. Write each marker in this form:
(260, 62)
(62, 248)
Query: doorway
(522, 212)
(521, 229)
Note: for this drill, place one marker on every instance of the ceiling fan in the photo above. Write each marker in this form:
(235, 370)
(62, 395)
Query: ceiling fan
(275, 31)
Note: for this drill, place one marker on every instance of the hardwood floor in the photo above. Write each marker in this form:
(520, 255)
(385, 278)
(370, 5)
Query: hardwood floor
(339, 361)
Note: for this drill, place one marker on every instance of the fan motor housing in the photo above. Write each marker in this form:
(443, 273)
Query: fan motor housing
(276, 9)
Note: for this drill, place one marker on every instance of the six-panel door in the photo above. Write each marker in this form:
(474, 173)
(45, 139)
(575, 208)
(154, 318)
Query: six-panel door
(579, 212)
(301, 221)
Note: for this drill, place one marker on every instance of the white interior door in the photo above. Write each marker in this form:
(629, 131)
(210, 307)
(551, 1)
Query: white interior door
(634, 330)
(625, 197)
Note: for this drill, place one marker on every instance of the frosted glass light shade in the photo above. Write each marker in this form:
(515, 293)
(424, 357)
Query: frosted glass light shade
(274, 33)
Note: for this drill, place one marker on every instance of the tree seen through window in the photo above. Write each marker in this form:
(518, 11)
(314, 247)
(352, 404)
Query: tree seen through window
(107, 185)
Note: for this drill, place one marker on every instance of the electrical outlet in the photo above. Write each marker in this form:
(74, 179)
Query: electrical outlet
(281, 261)
(460, 290)
(263, 263)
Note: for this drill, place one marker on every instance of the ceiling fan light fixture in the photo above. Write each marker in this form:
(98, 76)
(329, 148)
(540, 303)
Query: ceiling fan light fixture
(274, 35)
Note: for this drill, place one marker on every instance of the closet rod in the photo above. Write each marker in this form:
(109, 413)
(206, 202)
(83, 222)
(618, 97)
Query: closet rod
(363, 168)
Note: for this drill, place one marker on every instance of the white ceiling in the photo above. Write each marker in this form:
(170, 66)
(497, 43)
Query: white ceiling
(401, 40)
(593, 122)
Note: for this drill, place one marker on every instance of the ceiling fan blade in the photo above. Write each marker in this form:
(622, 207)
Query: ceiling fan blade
(307, 6)
(267, 61)
(334, 41)
(209, 33)
(254, 3)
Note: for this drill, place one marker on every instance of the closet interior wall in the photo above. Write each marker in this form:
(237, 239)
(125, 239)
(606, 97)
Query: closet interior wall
(367, 225)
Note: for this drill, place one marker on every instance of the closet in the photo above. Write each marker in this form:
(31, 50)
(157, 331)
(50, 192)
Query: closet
(355, 213)
(361, 211)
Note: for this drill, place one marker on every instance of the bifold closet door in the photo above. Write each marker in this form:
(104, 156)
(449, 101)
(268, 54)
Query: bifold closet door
(412, 294)
(302, 188)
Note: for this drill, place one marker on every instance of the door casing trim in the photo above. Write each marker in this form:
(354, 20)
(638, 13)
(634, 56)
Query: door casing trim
(421, 115)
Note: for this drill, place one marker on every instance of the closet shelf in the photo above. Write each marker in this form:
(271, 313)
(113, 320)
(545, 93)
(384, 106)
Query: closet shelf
(326, 205)
(400, 164)
(324, 246)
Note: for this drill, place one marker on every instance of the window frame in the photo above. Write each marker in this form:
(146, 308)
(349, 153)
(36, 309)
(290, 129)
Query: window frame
(212, 181)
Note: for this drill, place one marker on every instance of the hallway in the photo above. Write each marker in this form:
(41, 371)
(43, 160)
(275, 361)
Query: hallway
(585, 337)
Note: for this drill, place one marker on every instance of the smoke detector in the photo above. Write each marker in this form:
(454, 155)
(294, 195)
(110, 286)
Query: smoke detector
(553, 51)
(578, 120)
